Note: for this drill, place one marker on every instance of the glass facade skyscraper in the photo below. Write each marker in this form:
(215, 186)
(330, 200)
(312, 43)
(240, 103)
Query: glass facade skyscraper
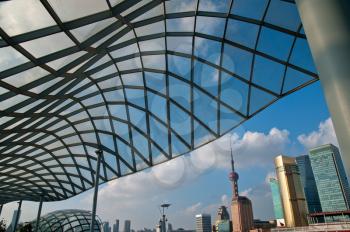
(276, 198)
(309, 184)
(330, 177)
(203, 223)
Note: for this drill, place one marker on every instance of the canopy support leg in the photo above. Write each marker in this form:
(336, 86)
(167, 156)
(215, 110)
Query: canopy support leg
(17, 216)
(38, 215)
(97, 179)
(327, 27)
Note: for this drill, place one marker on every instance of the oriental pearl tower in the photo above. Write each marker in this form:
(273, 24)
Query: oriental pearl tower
(241, 206)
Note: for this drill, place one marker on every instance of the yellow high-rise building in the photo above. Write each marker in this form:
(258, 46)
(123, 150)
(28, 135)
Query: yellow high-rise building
(292, 193)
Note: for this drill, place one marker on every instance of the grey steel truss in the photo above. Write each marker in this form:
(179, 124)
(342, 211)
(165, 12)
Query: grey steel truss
(144, 81)
(67, 220)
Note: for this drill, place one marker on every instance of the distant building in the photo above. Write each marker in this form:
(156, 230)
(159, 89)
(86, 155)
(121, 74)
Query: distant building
(241, 207)
(170, 227)
(277, 202)
(331, 181)
(203, 223)
(127, 226)
(116, 226)
(222, 223)
(106, 227)
(309, 184)
(292, 193)
(260, 225)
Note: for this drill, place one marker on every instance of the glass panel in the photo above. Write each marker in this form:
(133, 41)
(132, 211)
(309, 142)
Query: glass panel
(26, 77)
(214, 5)
(301, 55)
(68, 10)
(234, 92)
(294, 79)
(155, 81)
(149, 29)
(154, 62)
(208, 49)
(185, 24)
(206, 77)
(157, 105)
(205, 109)
(85, 32)
(259, 99)
(18, 17)
(152, 45)
(180, 44)
(283, 14)
(134, 79)
(180, 66)
(244, 8)
(268, 74)
(10, 58)
(47, 45)
(180, 92)
(180, 6)
(275, 43)
(180, 122)
(242, 32)
(210, 26)
(237, 61)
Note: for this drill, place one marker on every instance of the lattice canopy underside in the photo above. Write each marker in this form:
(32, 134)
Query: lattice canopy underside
(144, 81)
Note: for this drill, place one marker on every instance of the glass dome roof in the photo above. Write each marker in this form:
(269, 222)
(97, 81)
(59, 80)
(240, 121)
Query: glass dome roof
(144, 81)
(67, 220)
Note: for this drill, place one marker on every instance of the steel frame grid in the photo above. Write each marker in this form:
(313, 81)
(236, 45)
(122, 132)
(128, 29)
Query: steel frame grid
(67, 220)
(33, 122)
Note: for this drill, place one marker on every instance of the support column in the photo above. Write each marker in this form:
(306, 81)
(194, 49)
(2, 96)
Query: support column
(97, 179)
(39, 214)
(327, 27)
(17, 216)
(1, 209)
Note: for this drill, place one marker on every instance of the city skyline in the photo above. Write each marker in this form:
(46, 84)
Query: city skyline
(284, 135)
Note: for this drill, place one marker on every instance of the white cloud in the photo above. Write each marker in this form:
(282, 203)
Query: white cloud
(246, 192)
(325, 134)
(252, 149)
(193, 209)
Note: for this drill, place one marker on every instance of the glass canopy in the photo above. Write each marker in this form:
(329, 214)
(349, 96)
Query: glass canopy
(144, 81)
(67, 220)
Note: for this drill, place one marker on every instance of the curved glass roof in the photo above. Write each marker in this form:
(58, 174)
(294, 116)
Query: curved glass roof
(144, 81)
(67, 220)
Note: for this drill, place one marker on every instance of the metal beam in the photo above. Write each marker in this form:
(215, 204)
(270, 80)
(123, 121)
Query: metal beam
(97, 178)
(327, 27)
(17, 216)
(39, 214)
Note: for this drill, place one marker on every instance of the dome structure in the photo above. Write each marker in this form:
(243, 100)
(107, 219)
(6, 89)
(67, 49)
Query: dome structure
(67, 220)
(143, 81)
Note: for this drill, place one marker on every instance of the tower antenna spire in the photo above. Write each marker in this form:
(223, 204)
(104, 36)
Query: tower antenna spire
(233, 175)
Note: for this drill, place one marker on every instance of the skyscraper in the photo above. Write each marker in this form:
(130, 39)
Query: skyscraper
(277, 203)
(292, 193)
(203, 223)
(116, 226)
(308, 183)
(127, 226)
(241, 206)
(331, 181)
(222, 223)
(106, 227)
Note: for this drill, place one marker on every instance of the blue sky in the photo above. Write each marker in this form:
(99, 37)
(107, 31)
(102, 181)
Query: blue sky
(195, 185)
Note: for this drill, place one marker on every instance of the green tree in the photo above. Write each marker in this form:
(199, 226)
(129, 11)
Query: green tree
(2, 226)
